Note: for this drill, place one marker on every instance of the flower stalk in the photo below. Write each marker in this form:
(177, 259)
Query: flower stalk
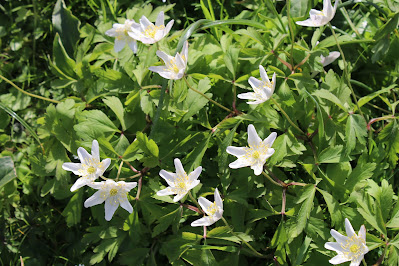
(286, 116)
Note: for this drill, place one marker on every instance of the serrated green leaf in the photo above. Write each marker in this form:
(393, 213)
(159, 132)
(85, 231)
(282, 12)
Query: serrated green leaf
(356, 128)
(306, 207)
(7, 170)
(117, 107)
(73, 210)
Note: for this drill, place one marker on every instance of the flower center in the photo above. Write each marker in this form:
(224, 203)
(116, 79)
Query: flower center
(256, 155)
(212, 209)
(91, 170)
(354, 248)
(172, 65)
(151, 30)
(113, 192)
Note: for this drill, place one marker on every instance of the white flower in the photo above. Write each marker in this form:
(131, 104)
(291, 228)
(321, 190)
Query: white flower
(256, 154)
(89, 168)
(320, 18)
(263, 90)
(331, 57)
(214, 210)
(113, 193)
(174, 66)
(349, 248)
(120, 32)
(179, 183)
(147, 32)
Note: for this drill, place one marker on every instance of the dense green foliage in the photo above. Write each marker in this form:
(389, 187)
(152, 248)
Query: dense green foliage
(341, 163)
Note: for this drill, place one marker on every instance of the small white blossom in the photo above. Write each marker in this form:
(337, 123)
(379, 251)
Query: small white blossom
(113, 193)
(179, 183)
(331, 57)
(214, 210)
(256, 154)
(174, 67)
(148, 33)
(89, 168)
(120, 32)
(349, 248)
(320, 18)
(263, 90)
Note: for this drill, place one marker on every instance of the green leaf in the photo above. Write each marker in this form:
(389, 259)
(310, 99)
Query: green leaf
(147, 145)
(388, 27)
(356, 128)
(194, 102)
(207, 258)
(361, 172)
(73, 210)
(325, 94)
(365, 99)
(165, 221)
(117, 107)
(390, 137)
(67, 26)
(333, 155)
(307, 205)
(371, 212)
(7, 170)
(63, 64)
(231, 60)
(333, 208)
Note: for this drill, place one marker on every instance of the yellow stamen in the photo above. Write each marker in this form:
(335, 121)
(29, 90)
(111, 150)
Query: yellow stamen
(91, 170)
(212, 209)
(113, 192)
(151, 30)
(354, 248)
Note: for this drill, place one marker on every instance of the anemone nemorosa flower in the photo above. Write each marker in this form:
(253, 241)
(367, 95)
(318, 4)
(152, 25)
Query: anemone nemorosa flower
(113, 193)
(179, 183)
(120, 32)
(256, 154)
(213, 210)
(320, 18)
(349, 248)
(89, 168)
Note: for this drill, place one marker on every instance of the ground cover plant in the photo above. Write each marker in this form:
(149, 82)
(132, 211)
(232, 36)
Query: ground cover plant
(206, 132)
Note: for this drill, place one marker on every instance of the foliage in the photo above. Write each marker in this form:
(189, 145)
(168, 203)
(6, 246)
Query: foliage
(337, 154)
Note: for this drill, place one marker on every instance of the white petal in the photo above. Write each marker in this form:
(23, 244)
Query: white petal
(95, 150)
(160, 19)
(236, 151)
(158, 69)
(308, 23)
(204, 221)
(330, 58)
(195, 174)
(168, 27)
(193, 184)
(96, 185)
(263, 73)
(110, 207)
(258, 168)
(94, 200)
(184, 51)
(73, 167)
(169, 177)
(119, 44)
(132, 45)
(356, 262)
(83, 155)
(269, 152)
(125, 204)
(255, 83)
(253, 138)
(270, 139)
(349, 229)
(338, 260)
(179, 197)
(257, 101)
(340, 238)
(130, 185)
(179, 168)
(239, 163)
(362, 232)
(165, 192)
(79, 183)
(334, 246)
(165, 57)
(145, 22)
(105, 163)
(247, 96)
(204, 203)
(218, 199)
(274, 84)
(111, 32)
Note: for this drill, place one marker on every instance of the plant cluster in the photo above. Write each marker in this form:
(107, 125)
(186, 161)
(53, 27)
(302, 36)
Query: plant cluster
(284, 159)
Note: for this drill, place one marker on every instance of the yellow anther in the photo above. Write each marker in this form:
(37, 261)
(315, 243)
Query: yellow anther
(91, 170)
(151, 30)
(354, 248)
(113, 192)
(256, 155)
(212, 209)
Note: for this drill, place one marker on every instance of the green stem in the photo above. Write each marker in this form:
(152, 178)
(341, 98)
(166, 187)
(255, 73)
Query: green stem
(102, 177)
(195, 201)
(271, 179)
(27, 93)
(206, 97)
(119, 171)
(346, 74)
(245, 242)
(291, 33)
(286, 116)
